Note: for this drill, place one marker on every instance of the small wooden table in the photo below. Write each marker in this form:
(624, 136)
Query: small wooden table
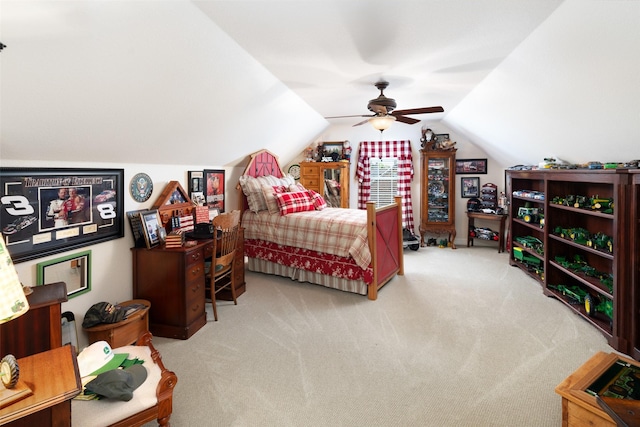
(580, 408)
(125, 332)
(488, 217)
(54, 379)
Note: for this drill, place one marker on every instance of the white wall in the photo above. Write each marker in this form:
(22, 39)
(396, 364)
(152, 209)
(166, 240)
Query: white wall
(111, 269)
(400, 131)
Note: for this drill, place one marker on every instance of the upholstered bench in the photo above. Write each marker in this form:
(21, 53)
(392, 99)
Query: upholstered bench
(152, 400)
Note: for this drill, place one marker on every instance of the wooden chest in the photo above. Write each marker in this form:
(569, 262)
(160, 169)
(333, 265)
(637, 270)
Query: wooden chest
(122, 333)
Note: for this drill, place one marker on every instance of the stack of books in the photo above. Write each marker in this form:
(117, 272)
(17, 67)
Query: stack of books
(175, 239)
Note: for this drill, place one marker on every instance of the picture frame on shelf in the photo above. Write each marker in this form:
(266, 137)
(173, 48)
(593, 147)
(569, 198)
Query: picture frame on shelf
(74, 270)
(215, 188)
(471, 166)
(151, 227)
(53, 210)
(332, 151)
(470, 187)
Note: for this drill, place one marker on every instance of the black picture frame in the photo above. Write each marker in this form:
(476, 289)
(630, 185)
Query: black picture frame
(214, 187)
(332, 151)
(151, 226)
(39, 218)
(471, 166)
(470, 187)
(196, 187)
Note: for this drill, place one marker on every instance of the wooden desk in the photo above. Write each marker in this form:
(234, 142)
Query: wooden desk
(472, 216)
(54, 379)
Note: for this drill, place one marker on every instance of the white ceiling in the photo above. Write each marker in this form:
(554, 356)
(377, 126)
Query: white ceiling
(433, 52)
(210, 81)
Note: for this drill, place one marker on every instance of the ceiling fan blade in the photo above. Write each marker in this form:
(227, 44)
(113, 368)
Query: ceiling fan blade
(407, 120)
(361, 123)
(425, 110)
(357, 115)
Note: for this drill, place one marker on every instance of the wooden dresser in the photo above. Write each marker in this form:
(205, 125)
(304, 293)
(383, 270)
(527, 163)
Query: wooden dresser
(173, 281)
(317, 176)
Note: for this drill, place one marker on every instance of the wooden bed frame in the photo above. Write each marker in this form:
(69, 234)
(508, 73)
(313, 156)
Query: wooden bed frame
(384, 225)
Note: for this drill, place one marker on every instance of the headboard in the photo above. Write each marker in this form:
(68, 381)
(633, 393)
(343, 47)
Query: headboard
(260, 163)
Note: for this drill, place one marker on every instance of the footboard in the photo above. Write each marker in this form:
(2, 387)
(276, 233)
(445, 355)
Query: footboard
(384, 230)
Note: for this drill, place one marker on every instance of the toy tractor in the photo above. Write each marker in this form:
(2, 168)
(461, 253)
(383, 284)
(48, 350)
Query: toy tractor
(528, 215)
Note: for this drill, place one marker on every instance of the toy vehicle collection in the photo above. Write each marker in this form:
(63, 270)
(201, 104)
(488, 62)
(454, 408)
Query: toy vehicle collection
(484, 234)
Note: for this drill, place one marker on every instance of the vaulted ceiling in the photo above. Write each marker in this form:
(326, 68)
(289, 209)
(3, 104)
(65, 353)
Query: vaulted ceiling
(210, 81)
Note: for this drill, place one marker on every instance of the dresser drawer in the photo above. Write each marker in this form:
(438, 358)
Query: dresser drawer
(309, 169)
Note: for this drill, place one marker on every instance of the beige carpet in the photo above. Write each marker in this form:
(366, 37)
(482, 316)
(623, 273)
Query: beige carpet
(462, 339)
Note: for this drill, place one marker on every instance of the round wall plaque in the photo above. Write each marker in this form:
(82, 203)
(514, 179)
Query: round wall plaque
(141, 187)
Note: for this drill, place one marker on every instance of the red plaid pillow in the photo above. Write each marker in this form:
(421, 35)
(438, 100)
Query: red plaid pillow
(294, 202)
(318, 201)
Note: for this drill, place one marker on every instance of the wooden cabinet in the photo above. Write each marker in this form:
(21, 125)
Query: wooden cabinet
(438, 194)
(634, 256)
(583, 259)
(173, 281)
(330, 179)
(41, 324)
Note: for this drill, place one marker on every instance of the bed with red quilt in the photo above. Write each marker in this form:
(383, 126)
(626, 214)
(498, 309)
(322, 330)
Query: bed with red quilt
(351, 250)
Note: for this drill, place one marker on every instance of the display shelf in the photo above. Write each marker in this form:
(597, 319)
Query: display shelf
(438, 194)
(585, 214)
(634, 261)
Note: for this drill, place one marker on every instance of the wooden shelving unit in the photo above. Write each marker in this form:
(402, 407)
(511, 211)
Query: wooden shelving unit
(591, 281)
(634, 257)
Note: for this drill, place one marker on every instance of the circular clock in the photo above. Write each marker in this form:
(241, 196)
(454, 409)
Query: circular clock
(294, 171)
(10, 371)
(141, 187)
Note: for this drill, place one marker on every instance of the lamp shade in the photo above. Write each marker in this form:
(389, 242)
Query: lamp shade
(13, 302)
(382, 122)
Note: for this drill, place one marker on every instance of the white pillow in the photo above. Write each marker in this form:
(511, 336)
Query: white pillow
(252, 188)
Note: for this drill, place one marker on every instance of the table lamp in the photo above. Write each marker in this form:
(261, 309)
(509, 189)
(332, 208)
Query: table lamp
(13, 303)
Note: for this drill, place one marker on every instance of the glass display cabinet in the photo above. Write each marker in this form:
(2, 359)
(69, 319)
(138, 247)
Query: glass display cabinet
(438, 194)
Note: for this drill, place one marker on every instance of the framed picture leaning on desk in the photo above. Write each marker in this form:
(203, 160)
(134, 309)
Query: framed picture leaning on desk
(151, 226)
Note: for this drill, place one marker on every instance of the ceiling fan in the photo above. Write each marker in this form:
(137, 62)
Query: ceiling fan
(384, 112)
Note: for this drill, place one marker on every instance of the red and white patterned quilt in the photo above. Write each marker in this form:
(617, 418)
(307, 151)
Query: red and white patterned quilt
(335, 231)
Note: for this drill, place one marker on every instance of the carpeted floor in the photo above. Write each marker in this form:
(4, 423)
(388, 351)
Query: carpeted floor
(462, 339)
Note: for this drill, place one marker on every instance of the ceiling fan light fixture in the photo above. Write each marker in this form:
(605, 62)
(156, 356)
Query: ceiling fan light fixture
(382, 123)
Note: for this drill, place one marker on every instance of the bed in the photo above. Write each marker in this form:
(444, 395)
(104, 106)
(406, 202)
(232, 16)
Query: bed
(351, 250)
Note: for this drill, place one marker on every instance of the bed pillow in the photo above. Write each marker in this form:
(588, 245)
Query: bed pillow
(318, 201)
(252, 188)
(296, 187)
(269, 192)
(299, 201)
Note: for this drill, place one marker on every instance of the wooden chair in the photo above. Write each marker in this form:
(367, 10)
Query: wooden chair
(220, 276)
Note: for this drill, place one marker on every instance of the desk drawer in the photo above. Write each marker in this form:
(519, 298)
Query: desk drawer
(194, 257)
(194, 296)
(194, 272)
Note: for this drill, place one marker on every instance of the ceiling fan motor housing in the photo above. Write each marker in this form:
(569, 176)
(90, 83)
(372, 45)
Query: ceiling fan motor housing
(382, 104)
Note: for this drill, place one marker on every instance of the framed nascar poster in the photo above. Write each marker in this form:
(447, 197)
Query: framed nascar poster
(47, 211)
